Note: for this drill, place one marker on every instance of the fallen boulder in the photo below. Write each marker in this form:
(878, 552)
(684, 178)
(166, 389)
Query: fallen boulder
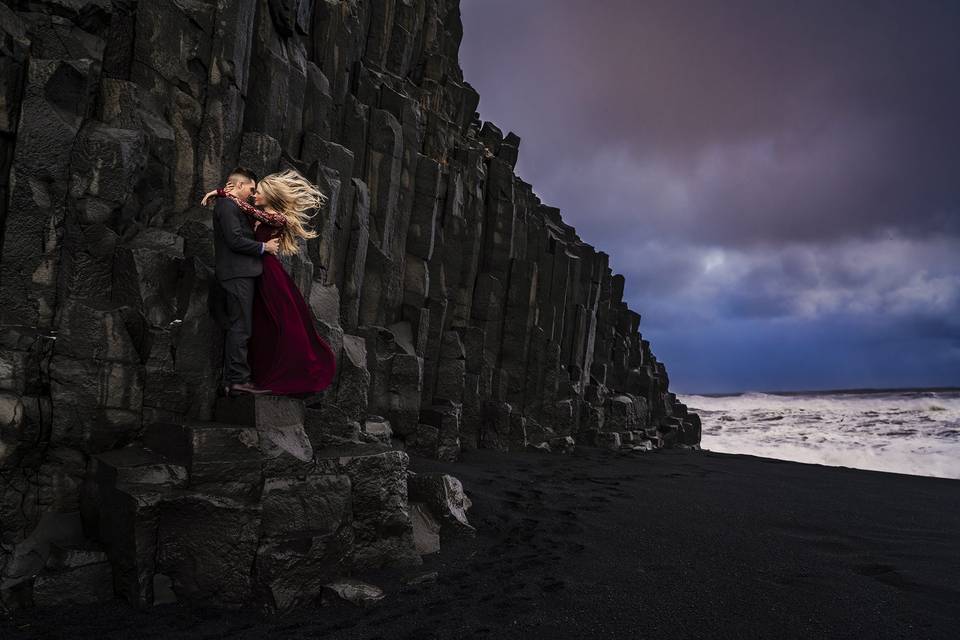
(355, 592)
(443, 496)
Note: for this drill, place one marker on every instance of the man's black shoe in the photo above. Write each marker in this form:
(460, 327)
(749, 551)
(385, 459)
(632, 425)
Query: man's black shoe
(246, 387)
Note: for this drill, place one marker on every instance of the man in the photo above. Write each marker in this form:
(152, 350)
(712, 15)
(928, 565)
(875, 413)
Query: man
(238, 264)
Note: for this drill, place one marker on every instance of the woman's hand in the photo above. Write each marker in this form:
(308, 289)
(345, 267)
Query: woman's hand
(213, 194)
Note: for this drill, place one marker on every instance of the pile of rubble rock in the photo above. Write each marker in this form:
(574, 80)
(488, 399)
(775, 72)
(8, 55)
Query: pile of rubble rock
(463, 311)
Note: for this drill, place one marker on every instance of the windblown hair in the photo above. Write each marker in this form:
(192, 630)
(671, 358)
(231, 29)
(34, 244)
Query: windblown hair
(297, 199)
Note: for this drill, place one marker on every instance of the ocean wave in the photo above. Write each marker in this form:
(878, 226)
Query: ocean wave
(901, 432)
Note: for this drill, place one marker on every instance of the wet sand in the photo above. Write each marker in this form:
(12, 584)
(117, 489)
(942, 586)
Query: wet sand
(667, 544)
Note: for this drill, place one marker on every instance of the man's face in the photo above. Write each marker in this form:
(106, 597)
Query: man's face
(245, 188)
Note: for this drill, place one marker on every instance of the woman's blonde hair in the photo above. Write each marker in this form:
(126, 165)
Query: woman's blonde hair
(292, 195)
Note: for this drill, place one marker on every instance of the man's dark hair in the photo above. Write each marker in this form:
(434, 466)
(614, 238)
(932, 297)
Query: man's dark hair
(246, 173)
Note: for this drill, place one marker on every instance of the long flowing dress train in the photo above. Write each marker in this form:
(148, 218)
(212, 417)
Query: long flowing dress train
(285, 352)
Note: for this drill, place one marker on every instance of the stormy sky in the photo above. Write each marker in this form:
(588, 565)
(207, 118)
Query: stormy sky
(778, 181)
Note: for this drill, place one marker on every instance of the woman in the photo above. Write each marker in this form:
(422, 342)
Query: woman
(286, 354)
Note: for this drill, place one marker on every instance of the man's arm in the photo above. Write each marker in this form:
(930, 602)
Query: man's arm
(232, 224)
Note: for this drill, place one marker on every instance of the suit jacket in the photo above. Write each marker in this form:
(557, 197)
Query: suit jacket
(238, 255)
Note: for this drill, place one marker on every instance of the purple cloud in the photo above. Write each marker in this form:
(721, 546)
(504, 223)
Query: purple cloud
(750, 168)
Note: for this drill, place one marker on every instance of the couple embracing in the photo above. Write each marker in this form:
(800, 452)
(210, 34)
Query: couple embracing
(271, 343)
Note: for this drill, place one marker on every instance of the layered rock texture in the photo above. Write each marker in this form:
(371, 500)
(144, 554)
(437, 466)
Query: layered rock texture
(464, 312)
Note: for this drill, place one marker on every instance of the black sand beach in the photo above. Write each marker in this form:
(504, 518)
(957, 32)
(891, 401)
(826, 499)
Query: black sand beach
(668, 544)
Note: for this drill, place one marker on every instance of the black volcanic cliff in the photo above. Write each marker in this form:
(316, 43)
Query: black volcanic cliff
(464, 312)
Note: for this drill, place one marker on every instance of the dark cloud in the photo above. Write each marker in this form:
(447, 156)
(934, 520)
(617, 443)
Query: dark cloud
(864, 313)
(839, 351)
(735, 122)
(777, 181)
(877, 278)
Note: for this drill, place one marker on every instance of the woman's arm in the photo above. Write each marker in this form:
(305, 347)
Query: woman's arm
(213, 194)
(207, 198)
(266, 217)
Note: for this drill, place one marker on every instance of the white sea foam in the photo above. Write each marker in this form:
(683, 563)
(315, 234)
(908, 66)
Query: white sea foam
(913, 432)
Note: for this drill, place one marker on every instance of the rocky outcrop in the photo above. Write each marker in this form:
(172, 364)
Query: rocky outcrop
(463, 311)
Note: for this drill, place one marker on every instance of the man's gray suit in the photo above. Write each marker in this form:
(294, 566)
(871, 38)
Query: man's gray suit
(238, 263)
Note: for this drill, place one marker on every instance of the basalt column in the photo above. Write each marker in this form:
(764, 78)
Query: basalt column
(463, 311)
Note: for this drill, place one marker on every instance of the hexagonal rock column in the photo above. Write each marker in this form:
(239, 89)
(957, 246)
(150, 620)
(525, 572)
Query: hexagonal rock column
(121, 502)
(438, 434)
(207, 544)
(279, 418)
(382, 530)
(306, 535)
(502, 428)
(224, 459)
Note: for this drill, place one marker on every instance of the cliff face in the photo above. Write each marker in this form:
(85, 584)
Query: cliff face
(464, 312)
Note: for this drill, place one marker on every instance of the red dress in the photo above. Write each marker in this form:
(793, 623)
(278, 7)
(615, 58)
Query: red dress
(285, 352)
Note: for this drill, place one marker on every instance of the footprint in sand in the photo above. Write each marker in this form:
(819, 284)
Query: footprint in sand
(872, 569)
(549, 585)
(387, 618)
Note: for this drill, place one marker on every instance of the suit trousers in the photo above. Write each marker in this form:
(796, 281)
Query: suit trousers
(239, 292)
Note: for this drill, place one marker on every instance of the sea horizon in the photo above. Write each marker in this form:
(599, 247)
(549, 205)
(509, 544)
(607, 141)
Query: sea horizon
(796, 392)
